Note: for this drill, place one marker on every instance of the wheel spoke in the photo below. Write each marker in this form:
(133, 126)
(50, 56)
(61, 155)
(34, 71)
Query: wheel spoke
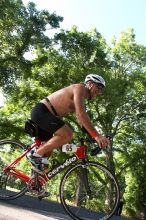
(11, 186)
(104, 197)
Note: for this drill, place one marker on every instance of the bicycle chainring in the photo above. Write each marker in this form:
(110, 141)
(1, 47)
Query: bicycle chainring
(37, 185)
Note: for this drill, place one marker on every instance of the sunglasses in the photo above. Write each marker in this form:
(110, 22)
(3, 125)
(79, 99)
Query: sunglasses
(99, 86)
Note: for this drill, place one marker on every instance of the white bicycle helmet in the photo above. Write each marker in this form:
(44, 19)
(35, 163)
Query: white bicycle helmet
(95, 78)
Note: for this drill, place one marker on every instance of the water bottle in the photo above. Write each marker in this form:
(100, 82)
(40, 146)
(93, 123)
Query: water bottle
(69, 148)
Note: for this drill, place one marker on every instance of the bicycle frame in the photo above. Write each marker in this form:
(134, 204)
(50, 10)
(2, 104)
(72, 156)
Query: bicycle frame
(10, 169)
(86, 186)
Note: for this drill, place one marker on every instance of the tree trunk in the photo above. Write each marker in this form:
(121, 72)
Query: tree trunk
(80, 191)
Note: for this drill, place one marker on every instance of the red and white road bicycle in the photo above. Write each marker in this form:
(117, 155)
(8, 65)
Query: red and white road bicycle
(88, 189)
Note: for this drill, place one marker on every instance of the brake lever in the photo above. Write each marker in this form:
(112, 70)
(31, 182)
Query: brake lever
(97, 150)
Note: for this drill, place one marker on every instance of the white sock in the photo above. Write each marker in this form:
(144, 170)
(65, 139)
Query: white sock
(45, 160)
(37, 155)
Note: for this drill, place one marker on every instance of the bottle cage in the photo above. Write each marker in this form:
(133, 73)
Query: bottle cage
(31, 128)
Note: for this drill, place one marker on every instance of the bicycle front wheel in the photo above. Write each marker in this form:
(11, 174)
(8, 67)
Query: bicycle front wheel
(11, 187)
(93, 194)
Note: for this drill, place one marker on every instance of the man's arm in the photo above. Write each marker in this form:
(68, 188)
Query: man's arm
(79, 102)
(79, 92)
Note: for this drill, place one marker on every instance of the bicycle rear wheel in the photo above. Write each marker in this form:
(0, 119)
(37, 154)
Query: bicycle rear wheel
(97, 201)
(11, 187)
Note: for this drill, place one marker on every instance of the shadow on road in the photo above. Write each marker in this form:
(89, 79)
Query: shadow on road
(45, 207)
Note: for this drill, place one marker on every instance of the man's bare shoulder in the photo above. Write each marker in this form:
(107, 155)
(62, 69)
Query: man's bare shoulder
(78, 86)
(79, 90)
(75, 88)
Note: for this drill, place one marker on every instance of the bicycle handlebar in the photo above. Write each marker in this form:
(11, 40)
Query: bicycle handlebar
(96, 150)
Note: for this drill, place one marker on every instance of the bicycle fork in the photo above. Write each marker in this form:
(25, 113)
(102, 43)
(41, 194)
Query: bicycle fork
(84, 179)
(83, 173)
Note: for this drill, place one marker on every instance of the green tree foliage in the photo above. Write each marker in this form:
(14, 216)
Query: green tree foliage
(22, 29)
(127, 114)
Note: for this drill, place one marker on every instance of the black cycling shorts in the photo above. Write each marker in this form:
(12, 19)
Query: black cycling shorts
(47, 123)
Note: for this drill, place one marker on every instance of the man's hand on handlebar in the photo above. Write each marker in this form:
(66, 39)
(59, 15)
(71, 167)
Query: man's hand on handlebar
(102, 141)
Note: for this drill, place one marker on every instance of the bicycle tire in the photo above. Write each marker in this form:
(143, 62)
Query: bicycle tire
(104, 190)
(11, 187)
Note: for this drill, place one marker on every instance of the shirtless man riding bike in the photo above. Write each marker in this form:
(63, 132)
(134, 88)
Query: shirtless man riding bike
(47, 115)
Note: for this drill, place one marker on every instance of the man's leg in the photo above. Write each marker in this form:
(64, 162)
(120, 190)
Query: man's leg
(61, 136)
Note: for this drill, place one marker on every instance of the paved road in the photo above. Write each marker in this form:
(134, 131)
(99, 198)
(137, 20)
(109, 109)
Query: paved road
(13, 212)
(31, 208)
